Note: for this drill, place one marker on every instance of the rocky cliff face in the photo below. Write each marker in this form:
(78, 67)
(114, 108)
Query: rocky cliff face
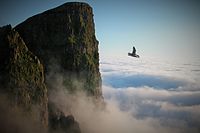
(21, 74)
(65, 35)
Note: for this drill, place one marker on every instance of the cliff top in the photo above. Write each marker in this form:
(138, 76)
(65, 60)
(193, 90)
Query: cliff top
(70, 5)
(78, 4)
(67, 7)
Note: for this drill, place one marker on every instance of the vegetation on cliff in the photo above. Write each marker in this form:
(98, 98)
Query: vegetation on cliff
(65, 35)
(22, 74)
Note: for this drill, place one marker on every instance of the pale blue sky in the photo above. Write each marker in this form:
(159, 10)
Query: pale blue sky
(159, 28)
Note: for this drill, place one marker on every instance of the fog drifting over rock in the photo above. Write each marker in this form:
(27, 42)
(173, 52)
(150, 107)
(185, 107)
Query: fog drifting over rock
(141, 96)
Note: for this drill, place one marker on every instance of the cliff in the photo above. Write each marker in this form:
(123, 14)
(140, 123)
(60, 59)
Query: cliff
(21, 75)
(65, 36)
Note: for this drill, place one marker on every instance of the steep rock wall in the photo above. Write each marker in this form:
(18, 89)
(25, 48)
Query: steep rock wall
(22, 75)
(65, 35)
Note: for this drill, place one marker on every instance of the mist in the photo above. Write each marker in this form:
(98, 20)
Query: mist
(147, 107)
(122, 111)
(14, 119)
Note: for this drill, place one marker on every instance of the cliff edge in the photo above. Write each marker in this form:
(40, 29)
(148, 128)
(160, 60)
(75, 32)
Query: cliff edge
(65, 36)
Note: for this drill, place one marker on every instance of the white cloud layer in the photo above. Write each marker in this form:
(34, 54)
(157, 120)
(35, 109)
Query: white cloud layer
(153, 90)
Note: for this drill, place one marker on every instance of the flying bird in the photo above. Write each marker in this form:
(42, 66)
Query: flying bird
(133, 54)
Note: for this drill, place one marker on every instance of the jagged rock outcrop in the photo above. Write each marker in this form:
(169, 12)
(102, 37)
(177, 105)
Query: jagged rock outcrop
(22, 75)
(65, 35)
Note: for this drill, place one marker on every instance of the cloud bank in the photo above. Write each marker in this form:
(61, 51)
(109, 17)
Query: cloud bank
(140, 96)
(160, 92)
(119, 115)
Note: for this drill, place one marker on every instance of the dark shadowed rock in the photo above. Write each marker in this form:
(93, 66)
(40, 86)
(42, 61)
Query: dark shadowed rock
(65, 35)
(68, 124)
(61, 123)
(21, 74)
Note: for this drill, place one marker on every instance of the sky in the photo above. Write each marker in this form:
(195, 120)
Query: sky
(167, 29)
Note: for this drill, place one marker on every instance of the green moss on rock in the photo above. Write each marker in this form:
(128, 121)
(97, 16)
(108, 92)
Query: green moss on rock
(22, 74)
(66, 34)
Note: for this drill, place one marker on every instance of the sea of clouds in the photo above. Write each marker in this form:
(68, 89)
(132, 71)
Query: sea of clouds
(158, 95)
(141, 95)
